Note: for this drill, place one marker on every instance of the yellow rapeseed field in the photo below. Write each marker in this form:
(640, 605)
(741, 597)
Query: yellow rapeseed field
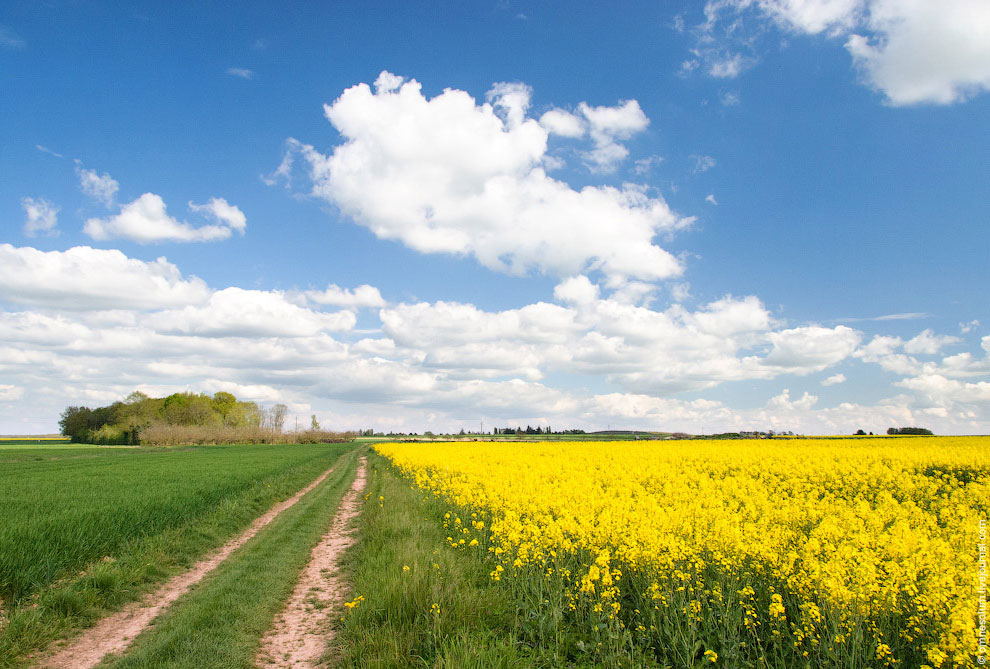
(798, 552)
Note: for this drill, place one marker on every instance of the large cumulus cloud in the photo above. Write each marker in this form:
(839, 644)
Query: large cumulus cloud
(449, 175)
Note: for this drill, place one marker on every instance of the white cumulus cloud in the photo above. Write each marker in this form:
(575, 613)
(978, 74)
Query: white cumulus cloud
(606, 125)
(362, 296)
(947, 392)
(928, 342)
(919, 51)
(784, 401)
(146, 221)
(813, 16)
(83, 278)
(235, 312)
(639, 349)
(812, 348)
(224, 212)
(835, 379)
(911, 51)
(449, 175)
(563, 123)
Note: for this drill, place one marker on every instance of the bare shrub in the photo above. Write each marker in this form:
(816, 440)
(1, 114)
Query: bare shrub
(196, 435)
(312, 436)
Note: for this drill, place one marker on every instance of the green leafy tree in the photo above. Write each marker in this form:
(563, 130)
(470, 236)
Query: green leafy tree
(225, 406)
(188, 409)
(74, 423)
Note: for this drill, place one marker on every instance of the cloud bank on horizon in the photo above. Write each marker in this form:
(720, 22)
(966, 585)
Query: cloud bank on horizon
(105, 324)
(571, 195)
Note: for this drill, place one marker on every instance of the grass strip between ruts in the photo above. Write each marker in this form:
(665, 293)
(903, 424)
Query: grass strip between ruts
(219, 623)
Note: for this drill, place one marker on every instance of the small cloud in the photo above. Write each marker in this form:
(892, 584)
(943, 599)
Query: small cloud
(888, 317)
(835, 379)
(45, 149)
(727, 68)
(643, 166)
(284, 170)
(522, 17)
(968, 327)
(42, 217)
(606, 125)
(711, 198)
(362, 296)
(145, 221)
(678, 23)
(688, 66)
(702, 164)
(100, 187)
(259, 44)
(10, 40)
(783, 401)
(225, 213)
(729, 99)
(241, 72)
(928, 342)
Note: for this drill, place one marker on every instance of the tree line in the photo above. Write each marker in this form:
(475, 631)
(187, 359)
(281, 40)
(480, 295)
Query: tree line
(124, 422)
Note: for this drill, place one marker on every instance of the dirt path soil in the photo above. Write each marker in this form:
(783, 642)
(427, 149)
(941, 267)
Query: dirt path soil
(300, 633)
(114, 633)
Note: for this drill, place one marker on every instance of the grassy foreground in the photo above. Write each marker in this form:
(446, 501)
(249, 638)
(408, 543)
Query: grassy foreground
(220, 622)
(85, 530)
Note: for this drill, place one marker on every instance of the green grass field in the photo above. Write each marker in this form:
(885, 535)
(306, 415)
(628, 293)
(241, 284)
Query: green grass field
(83, 530)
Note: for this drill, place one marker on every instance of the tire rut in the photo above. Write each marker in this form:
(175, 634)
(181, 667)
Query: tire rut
(300, 632)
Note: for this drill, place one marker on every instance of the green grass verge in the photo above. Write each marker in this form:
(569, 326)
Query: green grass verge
(220, 622)
(85, 530)
(443, 612)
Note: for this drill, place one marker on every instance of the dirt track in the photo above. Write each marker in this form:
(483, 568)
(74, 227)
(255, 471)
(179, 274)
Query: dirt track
(300, 632)
(114, 633)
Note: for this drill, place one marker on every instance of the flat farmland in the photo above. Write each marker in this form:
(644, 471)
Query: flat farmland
(83, 530)
(844, 553)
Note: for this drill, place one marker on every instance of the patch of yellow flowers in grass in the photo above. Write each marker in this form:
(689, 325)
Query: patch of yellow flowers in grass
(799, 552)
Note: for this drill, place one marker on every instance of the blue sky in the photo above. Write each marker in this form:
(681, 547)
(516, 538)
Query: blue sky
(739, 214)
